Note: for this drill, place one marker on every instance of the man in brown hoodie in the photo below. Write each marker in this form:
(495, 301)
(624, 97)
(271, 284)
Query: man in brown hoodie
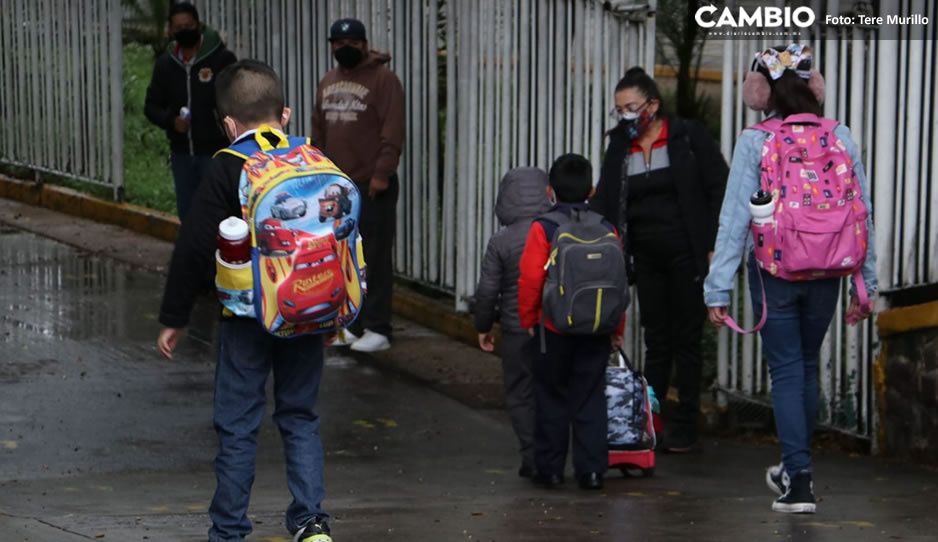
(359, 123)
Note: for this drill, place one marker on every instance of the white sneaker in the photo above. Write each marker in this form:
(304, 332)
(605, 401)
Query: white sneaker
(371, 342)
(344, 338)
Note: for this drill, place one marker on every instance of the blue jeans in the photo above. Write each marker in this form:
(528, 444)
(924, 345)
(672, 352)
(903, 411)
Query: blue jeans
(799, 314)
(187, 174)
(246, 355)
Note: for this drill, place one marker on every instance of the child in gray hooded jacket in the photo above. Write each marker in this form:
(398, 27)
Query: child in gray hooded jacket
(522, 196)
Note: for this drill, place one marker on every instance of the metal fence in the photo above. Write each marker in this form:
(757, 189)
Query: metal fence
(875, 85)
(528, 81)
(61, 104)
(489, 86)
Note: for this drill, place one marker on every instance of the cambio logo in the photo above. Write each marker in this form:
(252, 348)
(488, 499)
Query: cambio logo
(765, 17)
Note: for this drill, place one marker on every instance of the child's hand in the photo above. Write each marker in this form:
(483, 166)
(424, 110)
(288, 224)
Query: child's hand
(168, 339)
(531, 332)
(717, 316)
(856, 312)
(617, 341)
(487, 342)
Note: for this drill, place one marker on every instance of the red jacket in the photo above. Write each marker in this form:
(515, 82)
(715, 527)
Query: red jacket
(533, 275)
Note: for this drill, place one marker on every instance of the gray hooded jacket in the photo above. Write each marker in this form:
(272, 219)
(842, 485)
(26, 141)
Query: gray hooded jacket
(522, 196)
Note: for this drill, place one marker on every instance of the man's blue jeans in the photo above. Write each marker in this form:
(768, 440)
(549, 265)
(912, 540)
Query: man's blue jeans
(799, 314)
(187, 174)
(246, 355)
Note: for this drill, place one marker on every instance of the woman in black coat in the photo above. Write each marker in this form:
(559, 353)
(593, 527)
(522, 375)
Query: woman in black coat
(662, 184)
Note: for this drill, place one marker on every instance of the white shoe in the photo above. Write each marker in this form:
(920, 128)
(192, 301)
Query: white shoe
(371, 342)
(344, 338)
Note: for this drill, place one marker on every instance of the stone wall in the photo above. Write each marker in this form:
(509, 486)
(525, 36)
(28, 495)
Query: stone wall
(908, 387)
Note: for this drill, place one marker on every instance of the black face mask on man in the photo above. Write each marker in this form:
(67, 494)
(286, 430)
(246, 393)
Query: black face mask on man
(187, 37)
(348, 57)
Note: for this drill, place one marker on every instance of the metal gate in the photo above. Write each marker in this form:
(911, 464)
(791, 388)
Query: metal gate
(61, 103)
(875, 85)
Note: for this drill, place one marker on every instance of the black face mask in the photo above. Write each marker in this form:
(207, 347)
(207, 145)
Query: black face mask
(348, 57)
(188, 37)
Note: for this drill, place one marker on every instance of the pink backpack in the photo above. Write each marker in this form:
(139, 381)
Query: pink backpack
(819, 224)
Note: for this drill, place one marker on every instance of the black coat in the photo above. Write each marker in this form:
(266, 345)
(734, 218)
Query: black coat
(192, 268)
(699, 173)
(522, 196)
(175, 85)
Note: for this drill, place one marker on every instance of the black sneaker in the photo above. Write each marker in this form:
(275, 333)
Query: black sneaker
(527, 471)
(314, 531)
(798, 497)
(776, 479)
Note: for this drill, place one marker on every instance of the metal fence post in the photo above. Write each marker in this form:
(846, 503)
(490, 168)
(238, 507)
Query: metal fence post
(117, 99)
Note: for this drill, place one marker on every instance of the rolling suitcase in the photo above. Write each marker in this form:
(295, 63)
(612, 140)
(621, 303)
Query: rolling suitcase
(631, 428)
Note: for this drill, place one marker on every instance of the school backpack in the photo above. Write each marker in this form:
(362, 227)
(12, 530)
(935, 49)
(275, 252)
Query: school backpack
(629, 408)
(819, 228)
(819, 222)
(306, 274)
(586, 288)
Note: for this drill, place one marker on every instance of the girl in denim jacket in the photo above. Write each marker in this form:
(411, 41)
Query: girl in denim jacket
(798, 314)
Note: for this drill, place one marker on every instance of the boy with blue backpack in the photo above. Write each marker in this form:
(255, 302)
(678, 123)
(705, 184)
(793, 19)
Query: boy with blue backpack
(298, 259)
(572, 294)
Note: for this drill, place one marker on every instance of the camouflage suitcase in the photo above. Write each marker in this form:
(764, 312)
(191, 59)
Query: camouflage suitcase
(631, 431)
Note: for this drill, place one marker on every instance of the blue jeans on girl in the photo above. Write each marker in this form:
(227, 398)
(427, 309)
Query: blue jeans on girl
(799, 314)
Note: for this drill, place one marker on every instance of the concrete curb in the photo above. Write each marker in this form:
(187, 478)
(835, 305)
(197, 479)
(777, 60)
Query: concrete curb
(906, 319)
(65, 200)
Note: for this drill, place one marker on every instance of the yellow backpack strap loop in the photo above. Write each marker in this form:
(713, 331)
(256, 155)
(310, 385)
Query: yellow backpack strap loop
(270, 138)
(231, 152)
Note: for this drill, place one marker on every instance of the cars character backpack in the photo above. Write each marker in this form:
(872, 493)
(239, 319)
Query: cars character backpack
(306, 273)
(586, 291)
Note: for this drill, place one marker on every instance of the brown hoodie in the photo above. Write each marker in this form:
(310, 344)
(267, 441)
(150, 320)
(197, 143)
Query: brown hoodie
(359, 119)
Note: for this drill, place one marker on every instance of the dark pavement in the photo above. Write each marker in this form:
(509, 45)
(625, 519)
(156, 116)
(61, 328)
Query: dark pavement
(101, 439)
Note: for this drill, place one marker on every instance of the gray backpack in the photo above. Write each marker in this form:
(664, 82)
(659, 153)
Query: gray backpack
(586, 291)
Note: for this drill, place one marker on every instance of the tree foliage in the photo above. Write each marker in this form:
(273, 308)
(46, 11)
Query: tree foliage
(680, 42)
(145, 22)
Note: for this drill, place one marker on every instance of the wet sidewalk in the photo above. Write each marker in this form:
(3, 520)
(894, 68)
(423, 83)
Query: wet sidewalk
(101, 439)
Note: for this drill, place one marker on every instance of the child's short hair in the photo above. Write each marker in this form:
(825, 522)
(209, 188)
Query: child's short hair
(571, 177)
(250, 92)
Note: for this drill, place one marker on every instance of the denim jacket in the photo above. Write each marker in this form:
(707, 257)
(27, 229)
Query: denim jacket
(733, 235)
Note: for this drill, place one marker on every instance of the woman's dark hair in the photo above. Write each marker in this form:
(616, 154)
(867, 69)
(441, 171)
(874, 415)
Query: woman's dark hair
(637, 78)
(792, 95)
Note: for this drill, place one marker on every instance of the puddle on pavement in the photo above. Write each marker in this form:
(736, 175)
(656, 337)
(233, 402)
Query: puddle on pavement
(49, 290)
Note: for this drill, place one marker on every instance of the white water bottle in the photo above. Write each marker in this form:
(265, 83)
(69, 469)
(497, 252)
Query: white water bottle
(762, 207)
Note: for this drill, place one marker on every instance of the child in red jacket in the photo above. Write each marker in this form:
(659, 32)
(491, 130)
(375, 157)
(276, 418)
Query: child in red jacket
(569, 376)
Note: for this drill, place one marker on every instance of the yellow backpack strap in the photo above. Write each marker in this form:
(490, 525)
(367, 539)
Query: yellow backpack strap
(266, 133)
(231, 152)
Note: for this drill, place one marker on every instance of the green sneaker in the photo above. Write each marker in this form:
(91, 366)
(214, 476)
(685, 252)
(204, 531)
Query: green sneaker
(314, 531)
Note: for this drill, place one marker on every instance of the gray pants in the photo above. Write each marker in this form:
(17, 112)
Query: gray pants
(517, 365)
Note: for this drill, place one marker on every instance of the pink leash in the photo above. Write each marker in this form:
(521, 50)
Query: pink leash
(853, 317)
